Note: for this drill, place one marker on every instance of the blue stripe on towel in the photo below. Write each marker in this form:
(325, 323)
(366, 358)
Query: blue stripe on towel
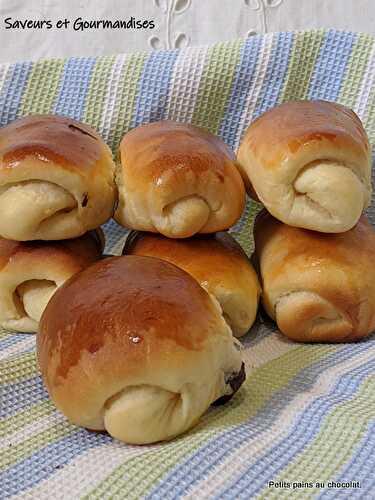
(330, 66)
(19, 395)
(74, 87)
(153, 87)
(11, 340)
(12, 91)
(243, 81)
(42, 464)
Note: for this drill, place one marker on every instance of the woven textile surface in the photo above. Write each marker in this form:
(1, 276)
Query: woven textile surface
(306, 412)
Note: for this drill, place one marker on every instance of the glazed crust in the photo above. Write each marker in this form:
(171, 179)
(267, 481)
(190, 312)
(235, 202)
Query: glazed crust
(309, 163)
(317, 287)
(217, 262)
(31, 272)
(130, 338)
(178, 180)
(56, 179)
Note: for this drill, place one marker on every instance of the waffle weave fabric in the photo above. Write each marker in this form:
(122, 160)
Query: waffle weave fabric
(306, 412)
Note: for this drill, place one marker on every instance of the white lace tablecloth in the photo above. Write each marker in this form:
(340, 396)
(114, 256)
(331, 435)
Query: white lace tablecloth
(178, 23)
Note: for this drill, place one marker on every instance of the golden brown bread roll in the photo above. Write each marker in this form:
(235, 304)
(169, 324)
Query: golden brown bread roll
(31, 272)
(217, 262)
(135, 346)
(310, 164)
(317, 287)
(178, 180)
(56, 179)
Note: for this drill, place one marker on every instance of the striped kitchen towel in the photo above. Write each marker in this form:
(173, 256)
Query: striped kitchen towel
(306, 412)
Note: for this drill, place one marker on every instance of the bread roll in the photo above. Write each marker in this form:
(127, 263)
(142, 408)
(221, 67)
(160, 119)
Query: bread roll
(178, 180)
(310, 165)
(135, 346)
(217, 262)
(56, 179)
(317, 287)
(31, 272)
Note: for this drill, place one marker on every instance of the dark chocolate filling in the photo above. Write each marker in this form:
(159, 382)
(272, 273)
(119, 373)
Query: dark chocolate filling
(85, 200)
(130, 241)
(235, 381)
(75, 127)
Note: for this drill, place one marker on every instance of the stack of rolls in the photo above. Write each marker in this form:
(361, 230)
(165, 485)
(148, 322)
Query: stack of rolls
(309, 163)
(179, 190)
(56, 189)
(142, 344)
